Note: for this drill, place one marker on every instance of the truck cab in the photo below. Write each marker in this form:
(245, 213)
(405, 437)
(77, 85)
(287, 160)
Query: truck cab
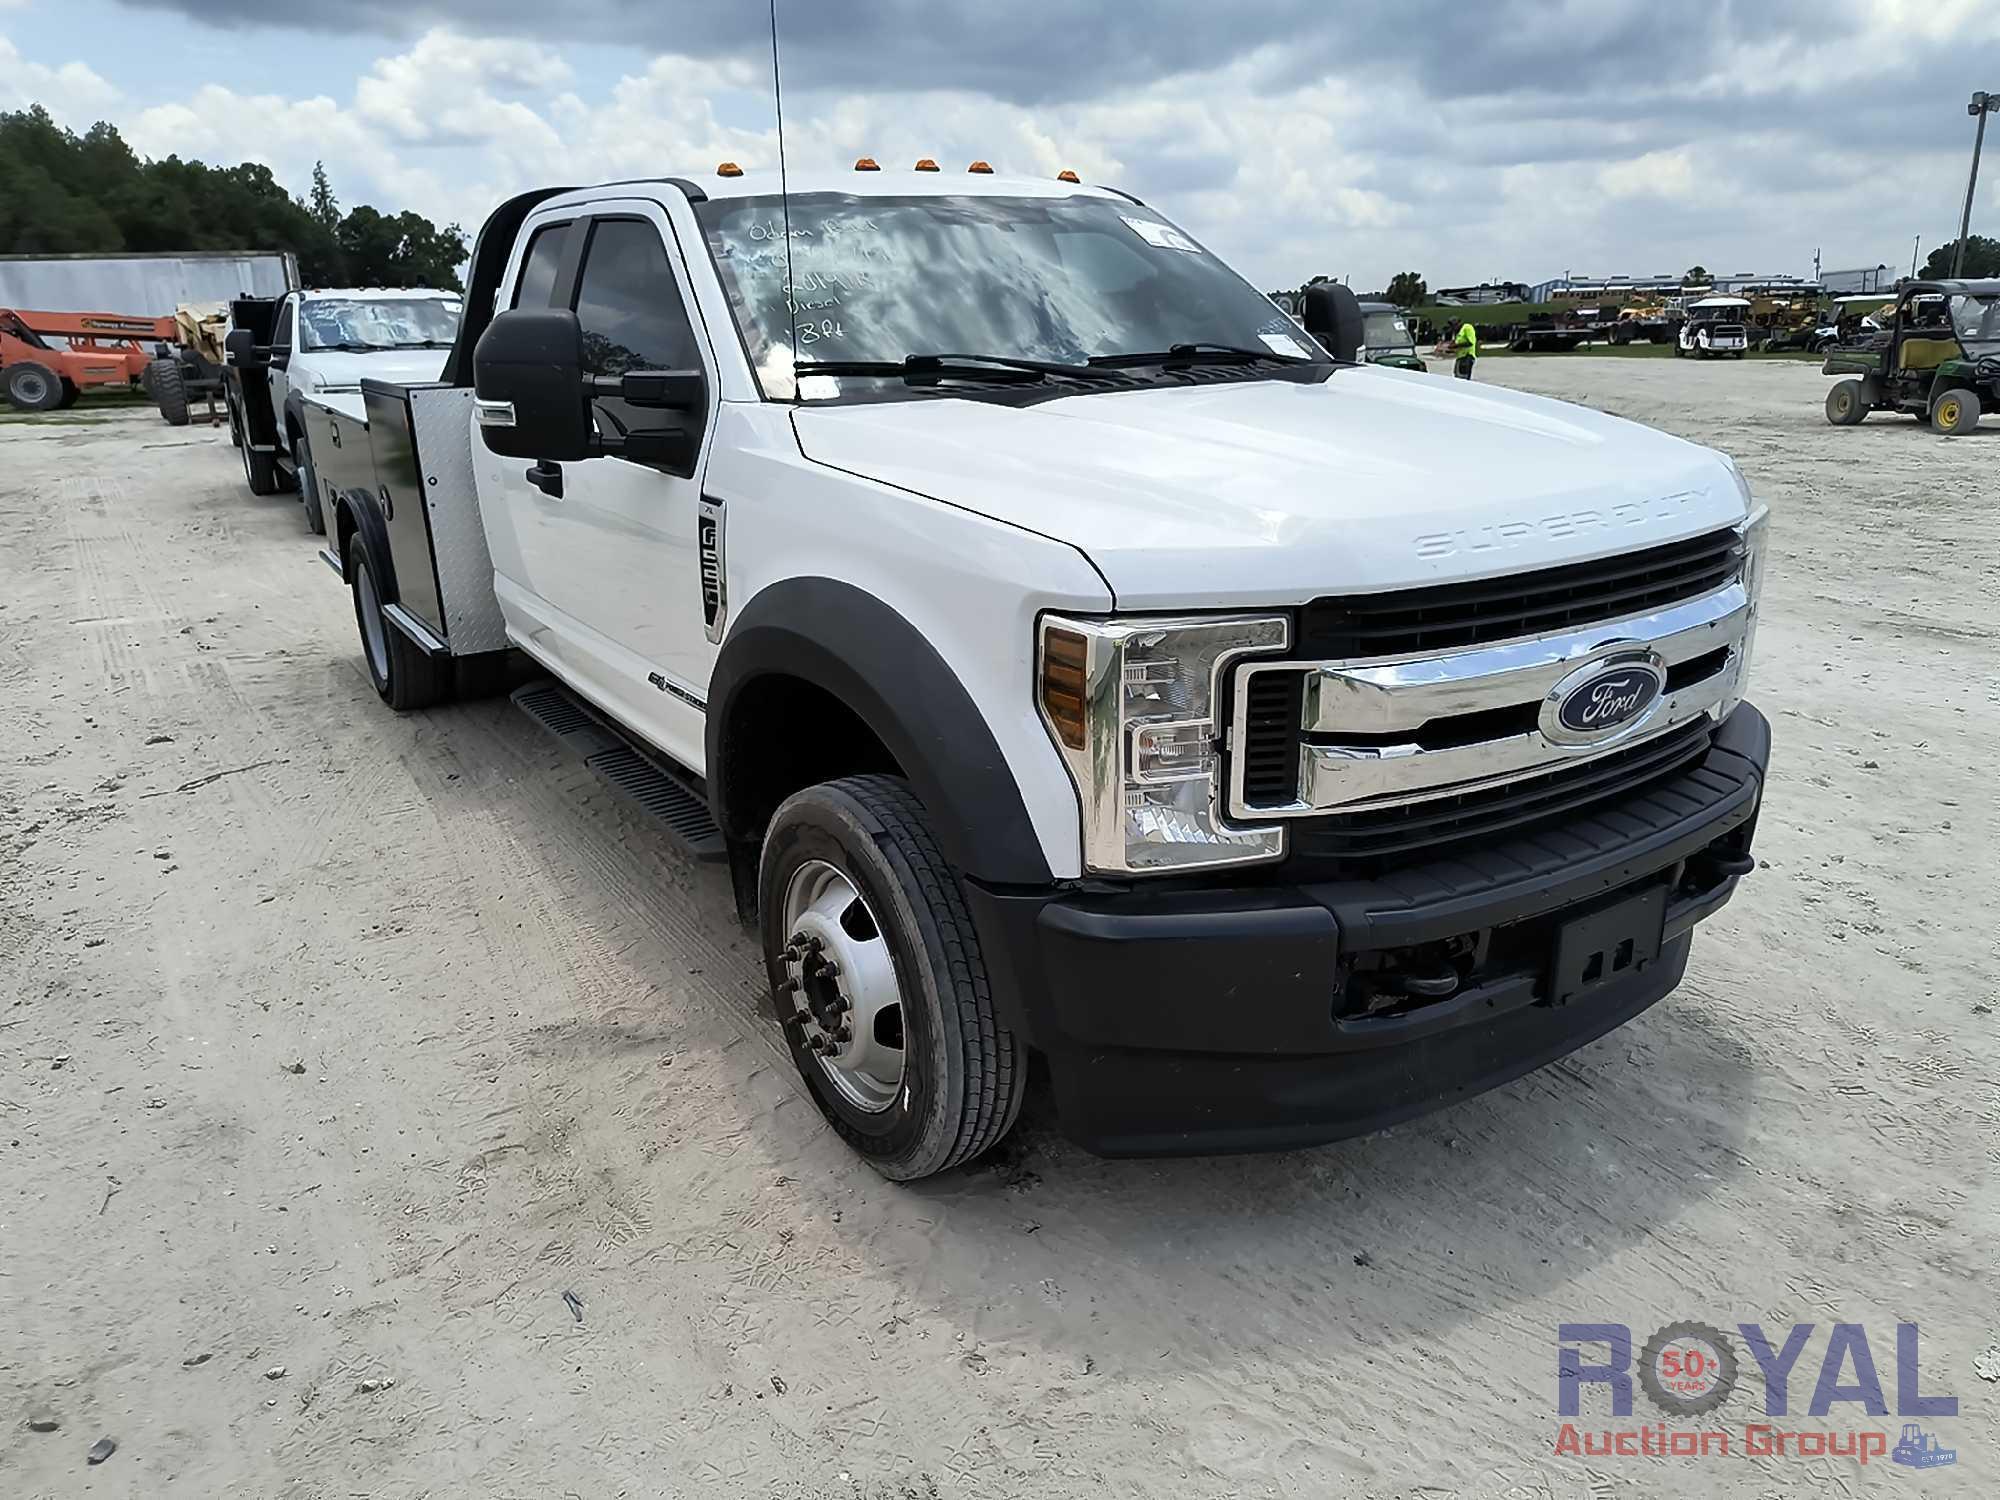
(322, 342)
(1067, 654)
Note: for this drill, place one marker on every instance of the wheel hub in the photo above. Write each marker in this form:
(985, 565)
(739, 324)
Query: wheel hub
(840, 987)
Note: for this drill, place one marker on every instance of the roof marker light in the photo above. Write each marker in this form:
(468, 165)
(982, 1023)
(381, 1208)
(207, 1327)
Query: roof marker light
(980, 166)
(925, 164)
(866, 164)
(1066, 175)
(729, 169)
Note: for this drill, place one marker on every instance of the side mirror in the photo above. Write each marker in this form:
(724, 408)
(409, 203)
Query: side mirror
(1332, 314)
(239, 347)
(527, 375)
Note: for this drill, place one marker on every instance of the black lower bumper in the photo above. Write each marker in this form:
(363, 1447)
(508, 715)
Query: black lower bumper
(1257, 1016)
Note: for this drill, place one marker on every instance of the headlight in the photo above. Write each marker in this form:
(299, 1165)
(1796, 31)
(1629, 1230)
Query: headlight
(1133, 705)
(1756, 542)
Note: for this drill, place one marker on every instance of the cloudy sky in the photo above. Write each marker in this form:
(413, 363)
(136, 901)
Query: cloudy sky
(1467, 141)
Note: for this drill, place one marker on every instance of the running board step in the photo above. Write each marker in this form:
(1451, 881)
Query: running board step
(623, 766)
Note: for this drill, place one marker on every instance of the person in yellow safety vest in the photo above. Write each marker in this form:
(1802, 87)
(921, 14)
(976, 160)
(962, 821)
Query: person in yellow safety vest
(1467, 344)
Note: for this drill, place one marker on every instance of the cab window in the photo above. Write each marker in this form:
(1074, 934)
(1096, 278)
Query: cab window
(628, 304)
(632, 318)
(281, 336)
(538, 268)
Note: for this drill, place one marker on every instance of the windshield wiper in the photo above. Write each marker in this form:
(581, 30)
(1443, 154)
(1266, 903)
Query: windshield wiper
(1207, 354)
(920, 367)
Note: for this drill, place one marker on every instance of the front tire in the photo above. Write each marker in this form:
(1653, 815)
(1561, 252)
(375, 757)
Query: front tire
(403, 674)
(169, 391)
(308, 485)
(1955, 411)
(260, 470)
(1846, 403)
(879, 983)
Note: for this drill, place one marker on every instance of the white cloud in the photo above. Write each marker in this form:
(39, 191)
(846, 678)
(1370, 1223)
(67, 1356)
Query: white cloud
(1361, 172)
(72, 92)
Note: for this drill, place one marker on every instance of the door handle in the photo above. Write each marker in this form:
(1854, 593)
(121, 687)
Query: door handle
(546, 477)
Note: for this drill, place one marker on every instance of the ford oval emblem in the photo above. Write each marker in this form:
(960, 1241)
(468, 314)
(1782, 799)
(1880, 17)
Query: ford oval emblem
(1603, 698)
(1609, 699)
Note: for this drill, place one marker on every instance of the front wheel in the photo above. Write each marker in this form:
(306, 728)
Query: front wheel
(308, 485)
(879, 982)
(1955, 411)
(1846, 403)
(169, 391)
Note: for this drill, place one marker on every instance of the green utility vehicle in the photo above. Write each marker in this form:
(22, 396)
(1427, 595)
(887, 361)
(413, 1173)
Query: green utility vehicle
(1939, 360)
(1386, 338)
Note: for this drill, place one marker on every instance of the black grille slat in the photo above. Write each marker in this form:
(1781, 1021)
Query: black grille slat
(1270, 749)
(1411, 621)
(1437, 822)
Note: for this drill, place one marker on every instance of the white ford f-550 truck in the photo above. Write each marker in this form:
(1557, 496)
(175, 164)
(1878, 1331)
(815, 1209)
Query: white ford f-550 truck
(1067, 655)
(320, 343)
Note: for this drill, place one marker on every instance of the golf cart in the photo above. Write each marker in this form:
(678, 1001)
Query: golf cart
(1386, 338)
(1714, 325)
(1940, 360)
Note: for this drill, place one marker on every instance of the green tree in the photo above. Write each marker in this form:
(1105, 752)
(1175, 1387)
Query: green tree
(405, 249)
(1697, 275)
(321, 204)
(1408, 289)
(63, 193)
(1982, 258)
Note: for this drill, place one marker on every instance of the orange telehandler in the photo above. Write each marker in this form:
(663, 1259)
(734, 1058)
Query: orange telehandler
(97, 349)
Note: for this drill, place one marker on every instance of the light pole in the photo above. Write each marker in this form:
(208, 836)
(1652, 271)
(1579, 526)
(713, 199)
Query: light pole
(1981, 106)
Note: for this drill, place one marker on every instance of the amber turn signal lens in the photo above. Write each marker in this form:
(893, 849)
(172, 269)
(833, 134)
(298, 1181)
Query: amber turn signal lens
(980, 166)
(1064, 655)
(1066, 175)
(729, 169)
(866, 164)
(927, 165)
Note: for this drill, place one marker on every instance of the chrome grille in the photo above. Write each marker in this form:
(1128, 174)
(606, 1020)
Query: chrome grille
(1430, 825)
(1377, 757)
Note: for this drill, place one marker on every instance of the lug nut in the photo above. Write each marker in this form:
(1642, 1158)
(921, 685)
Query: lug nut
(828, 969)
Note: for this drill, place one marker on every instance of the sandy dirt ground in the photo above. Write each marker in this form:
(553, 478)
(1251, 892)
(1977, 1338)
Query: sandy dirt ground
(336, 1047)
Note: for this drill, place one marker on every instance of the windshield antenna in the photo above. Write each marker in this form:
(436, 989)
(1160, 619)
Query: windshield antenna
(785, 198)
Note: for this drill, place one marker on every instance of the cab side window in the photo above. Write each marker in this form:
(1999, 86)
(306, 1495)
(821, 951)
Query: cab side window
(281, 336)
(626, 300)
(632, 318)
(538, 269)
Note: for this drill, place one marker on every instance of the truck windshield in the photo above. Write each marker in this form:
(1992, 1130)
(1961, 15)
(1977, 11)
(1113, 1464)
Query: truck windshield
(1385, 330)
(390, 323)
(1977, 323)
(1047, 279)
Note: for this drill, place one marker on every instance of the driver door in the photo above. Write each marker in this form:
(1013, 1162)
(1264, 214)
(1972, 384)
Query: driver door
(608, 551)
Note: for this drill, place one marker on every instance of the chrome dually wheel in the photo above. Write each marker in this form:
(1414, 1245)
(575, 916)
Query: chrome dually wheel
(843, 981)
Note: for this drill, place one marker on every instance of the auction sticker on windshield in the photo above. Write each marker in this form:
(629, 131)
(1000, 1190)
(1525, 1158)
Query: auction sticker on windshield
(1160, 236)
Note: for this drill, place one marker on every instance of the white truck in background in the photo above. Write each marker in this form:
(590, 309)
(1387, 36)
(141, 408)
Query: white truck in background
(1066, 654)
(322, 342)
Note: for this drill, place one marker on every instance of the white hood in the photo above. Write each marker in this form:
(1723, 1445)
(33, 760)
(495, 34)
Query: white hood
(1271, 492)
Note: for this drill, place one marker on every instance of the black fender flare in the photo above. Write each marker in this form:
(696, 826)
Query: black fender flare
(858, 648)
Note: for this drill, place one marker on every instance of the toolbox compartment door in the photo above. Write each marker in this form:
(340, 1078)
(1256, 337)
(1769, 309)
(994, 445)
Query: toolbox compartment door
(399, 492)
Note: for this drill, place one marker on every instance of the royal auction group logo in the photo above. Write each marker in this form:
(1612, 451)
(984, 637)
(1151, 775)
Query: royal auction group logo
(1690, 1369)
